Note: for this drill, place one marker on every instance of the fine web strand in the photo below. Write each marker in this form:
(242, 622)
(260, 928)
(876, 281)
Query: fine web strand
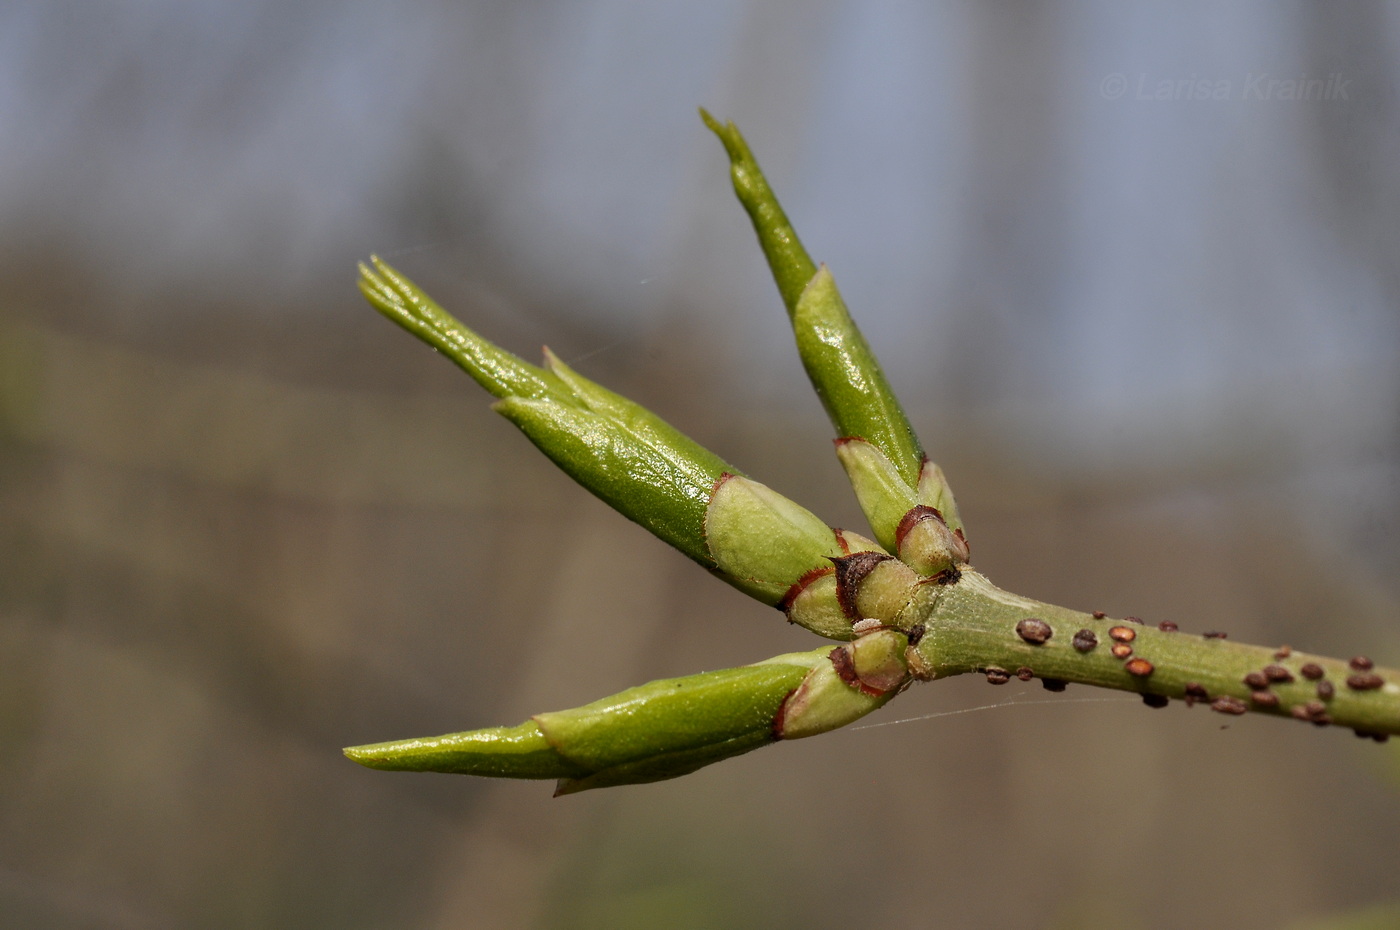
(1007, 703)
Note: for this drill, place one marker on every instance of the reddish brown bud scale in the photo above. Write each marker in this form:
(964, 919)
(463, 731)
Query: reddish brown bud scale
(851, 570)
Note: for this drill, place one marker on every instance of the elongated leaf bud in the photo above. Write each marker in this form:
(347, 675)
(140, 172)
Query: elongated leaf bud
(839, 363)
(644, 468)
(672, 727)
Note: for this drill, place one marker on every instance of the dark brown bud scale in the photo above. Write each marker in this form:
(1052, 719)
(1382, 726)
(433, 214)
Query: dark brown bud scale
(1121, 650)
(1034, 631)
(1257, 680)
(1084, 641)
(1024, 673)
(845, 668)
(1123, 634)
(1229, 705)
(1167, 626)
(1264, 698)
(998, 676)
(1139, 667)
(1364, 681)
(1156, 701)
(1326, 690)
(1361, 664)
(1278, 674)
(851, 570)
(1312, 671)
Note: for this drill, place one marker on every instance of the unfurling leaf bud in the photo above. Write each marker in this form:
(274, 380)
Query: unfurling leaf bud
(625, 454)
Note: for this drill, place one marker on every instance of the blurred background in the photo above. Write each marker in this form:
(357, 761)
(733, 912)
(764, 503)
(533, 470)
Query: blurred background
(1133, 271)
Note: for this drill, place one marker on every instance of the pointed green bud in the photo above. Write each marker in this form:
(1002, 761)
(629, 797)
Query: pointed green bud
(498, 752)
(839, 363)
(658, 730)
(498, 371)
(848, 379)
(619, 450)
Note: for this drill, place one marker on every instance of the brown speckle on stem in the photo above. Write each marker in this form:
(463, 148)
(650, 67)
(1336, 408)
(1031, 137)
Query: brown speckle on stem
(1139, 667)
(1167, 626)
(1024, 673)
(1326, 690)
(1283, 652)
(1084, 641)
(1156, 701)
(1054, 684)
(1137, 620)
(1098, 615)
(1195, 691)
(1278, 674)
(1226, 704)
(1034, 631)
(1264, 698)
(1364, 681)
(1123, 634)
(998, 676)
(1214, 634)
(1361, 664)
(1121, 650)
(1312, 671)
(1257, 680)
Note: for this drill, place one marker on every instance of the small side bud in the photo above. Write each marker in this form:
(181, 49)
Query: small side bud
(762, 542)
(856, 679)
(814, 601)
(870, 584)
(926, 544)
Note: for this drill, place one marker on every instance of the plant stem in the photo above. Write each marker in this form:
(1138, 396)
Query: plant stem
(973, 628)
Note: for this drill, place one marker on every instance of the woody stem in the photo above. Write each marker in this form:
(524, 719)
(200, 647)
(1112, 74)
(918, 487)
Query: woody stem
(973, 627)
